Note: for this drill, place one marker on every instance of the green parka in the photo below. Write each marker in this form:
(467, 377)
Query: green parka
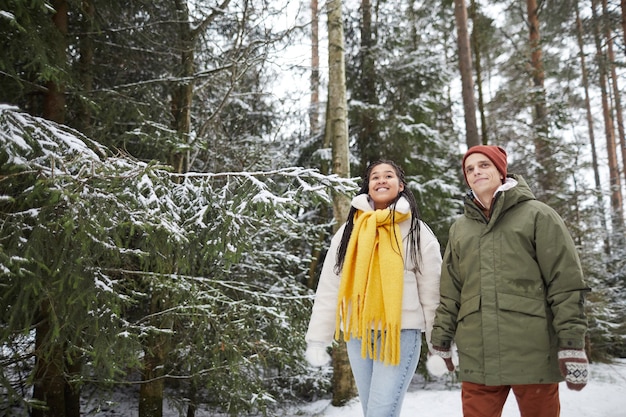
(512, 291)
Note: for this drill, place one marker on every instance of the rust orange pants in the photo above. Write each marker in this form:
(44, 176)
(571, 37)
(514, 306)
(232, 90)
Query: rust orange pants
(533, 400)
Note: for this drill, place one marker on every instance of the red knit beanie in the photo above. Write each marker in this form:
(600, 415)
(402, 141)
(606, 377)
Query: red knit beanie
(496, 154)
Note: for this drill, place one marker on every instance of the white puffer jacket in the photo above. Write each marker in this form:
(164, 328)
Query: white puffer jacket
(421, 288)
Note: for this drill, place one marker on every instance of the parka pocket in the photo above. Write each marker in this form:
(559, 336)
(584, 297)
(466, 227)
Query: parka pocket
(523, 325)
(468, 307)
(469, 332)
(525, 305)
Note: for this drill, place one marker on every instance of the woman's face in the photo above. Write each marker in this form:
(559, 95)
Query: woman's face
(384, 185)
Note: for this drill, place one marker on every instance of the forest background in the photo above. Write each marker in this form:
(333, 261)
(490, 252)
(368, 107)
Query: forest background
(171, 172)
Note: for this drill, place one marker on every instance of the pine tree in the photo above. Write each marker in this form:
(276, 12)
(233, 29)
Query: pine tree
(118, 225)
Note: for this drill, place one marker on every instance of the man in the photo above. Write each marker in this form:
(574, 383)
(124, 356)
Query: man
(512, 295)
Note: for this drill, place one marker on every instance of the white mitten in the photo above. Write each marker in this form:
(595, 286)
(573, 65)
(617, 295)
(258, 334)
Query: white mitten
(436, 365)
(441, 360)
(316, 354)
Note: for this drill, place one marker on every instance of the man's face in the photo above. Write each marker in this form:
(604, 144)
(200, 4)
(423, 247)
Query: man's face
(482, 175)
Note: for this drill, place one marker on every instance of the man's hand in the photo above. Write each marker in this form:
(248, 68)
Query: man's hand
(574, 367)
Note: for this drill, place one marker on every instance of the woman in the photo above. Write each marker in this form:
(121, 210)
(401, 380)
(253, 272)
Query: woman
(380, 286)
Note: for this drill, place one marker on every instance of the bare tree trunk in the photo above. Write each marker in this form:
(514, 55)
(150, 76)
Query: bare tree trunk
(467, 79)
(476, 45)
(49, 384)
(314, 109)
(182, 91)
(85, 65)
(609, 131)
(337, 132)
(344, 387)
(152, 386)
(592, 140)
(193, 397)
(536, 62)
(623, 4)
(51, 387)
(72, 391)
(314, 123)
(368, 139)
(619, 115)
(54, 100)
(337, 103)
(156, 348)
(548, 177)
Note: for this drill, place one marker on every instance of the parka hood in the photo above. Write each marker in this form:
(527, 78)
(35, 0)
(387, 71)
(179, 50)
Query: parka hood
(362, 202)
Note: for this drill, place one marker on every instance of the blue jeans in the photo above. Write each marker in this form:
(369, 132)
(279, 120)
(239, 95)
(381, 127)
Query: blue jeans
(382, 387)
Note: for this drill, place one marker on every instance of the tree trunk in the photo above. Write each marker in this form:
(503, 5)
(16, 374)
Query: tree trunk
(344, 387)
(153, 385)
(156, 347)
(49, 384)
(609, 131)
(547, 175)
(337, 119)
(337, 131)
(476, 48)
(314, 109)
(193, 397)
(617, 97)
(73, 368)
(183, 88)
(182, 91)
(368, 138)
(592, 140)
(85, 65)
(54, 99)
(623, 4)
(467, 79)
(314, 124)
(536, 62)
(61, 398)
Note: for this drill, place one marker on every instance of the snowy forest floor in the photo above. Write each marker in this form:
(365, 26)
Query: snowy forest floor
(604, 396)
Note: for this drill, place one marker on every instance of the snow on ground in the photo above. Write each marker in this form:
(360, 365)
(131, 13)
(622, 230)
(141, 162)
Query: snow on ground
(604, 396)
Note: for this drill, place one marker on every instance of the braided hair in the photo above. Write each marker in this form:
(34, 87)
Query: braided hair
(414, 230)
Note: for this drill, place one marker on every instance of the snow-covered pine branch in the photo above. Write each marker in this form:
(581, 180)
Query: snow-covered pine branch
(125, 253)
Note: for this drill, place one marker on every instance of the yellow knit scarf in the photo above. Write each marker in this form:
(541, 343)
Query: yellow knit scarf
(369, 303)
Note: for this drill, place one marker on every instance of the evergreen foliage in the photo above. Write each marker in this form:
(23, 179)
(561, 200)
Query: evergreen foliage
(97, 236)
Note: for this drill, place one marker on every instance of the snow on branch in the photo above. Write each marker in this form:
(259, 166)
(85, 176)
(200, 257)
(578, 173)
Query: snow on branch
(109, 197)
(40, 144)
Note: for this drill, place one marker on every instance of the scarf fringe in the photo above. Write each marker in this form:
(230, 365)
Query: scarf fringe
(387, 351)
